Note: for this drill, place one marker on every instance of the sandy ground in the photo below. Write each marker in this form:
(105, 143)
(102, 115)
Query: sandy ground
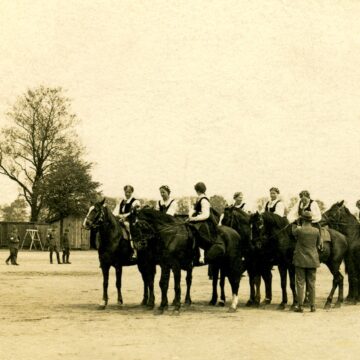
(51, 312)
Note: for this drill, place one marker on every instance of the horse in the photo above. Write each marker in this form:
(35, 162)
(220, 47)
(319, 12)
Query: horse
(114, 250)
(270, 232)
(332, 255)
(239, 220)
(340, 218)
(176, 242)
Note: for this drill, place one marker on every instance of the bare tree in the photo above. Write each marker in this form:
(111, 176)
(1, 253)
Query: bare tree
(40, 130)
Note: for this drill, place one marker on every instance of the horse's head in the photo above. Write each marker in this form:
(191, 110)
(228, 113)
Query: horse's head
(95, 216)
(258, 233)
(141, 230)
(337, 215)
(228, 216)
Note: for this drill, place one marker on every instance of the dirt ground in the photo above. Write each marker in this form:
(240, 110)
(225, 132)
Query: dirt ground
(51, 312)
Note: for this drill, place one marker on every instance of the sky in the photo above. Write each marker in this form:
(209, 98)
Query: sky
(242, 95)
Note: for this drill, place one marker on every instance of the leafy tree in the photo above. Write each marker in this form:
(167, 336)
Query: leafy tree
(68, 188)
(40, 131)
(16, 211)
(291, 203)
(321, 205)
(261, 202)
(184, 204)
(218, 203)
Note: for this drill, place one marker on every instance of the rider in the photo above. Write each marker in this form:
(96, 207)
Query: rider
(202, 221)
(238, 201)
(275, 205)
(123, 210)
(306, 204)
(166, 205)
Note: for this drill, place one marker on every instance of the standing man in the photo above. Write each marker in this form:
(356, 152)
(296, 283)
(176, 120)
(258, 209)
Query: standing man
(65, 245)
(275, 205)
(122, 212)
(52, 243)
(306, 259)
(307, 204)
(14, 241)
(167, 205)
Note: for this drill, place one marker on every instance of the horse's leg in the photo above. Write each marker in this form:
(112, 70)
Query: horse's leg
(188, 285)
(222, 288)
(257, 283)
(293, 286)
(234, 283)
(340, 299)
(118, 271)
(164, 285)
(267, 276)
(251, 300)
(105, 271)
(144, 276)
(177, 287)
(283, 279)
(150, 281)
(215, 275)
(334, 269)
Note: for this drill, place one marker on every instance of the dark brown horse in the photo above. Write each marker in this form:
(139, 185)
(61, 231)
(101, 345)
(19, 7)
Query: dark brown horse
(114, 250)
(281, 245)
(270, 233)
(175, 243)
(340, 218)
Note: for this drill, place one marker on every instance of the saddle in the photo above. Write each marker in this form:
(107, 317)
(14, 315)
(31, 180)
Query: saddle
(325, 234)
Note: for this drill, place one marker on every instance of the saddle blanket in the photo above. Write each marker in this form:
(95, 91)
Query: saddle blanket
(325, 235)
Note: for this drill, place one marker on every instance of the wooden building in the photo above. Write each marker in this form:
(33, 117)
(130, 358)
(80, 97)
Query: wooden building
(79, 237)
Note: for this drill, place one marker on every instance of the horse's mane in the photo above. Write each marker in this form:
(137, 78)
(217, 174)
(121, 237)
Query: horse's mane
(240, 214)
(158, 217)
(274, 219)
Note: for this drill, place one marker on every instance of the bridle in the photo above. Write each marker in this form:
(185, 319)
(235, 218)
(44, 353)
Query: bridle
(99, 218)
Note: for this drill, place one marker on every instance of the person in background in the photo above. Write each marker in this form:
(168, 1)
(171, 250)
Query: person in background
(52, 243)
(166, 205)
(65, 246)
(306, 259)
(122, 212)
(275, 205)
(14, 241)
(238, 201)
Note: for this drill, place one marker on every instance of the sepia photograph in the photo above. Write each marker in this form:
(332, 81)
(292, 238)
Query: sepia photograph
(179, 179)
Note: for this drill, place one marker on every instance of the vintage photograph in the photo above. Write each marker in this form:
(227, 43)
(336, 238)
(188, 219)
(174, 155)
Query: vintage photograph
(179, 179)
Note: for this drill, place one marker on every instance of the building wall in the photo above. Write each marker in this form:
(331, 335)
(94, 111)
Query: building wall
(79, 237)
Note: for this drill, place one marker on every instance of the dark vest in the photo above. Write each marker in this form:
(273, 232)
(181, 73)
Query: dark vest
(198, 207)
(125, 208)
(164, 208)
(240, 207)
(308, 208)
(271, 209)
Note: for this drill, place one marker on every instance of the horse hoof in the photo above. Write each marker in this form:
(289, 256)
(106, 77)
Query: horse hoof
(327, 306)
(249, 303)
(293, 307)
(281, 306)
(187, 303)
(150, 306)
(212, 302)
(221, 303)
(266, 302)
(231, 309)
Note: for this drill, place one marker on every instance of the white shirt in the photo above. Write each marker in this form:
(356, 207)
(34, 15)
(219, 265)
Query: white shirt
(280, 207)
(314, 208)
(172, 208)
(116, 211)
(205, 210)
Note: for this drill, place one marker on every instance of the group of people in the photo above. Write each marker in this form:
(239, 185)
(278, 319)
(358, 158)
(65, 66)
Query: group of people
(305, 217)
(51, 243)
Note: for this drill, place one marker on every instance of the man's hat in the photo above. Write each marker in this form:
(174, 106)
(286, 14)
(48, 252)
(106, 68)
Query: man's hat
(306, 215)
